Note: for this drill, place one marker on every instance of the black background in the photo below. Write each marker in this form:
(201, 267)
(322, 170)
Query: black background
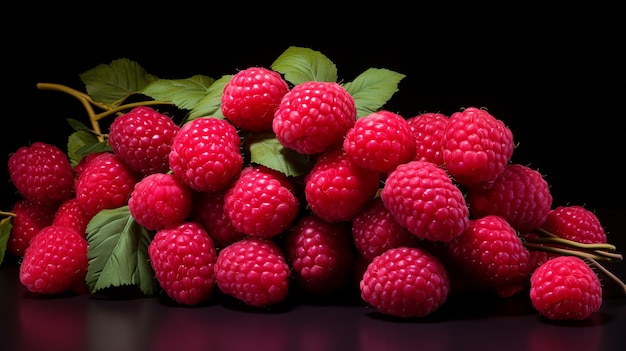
(555, 75)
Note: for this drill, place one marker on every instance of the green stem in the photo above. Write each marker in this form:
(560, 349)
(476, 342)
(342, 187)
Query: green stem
(8, 214)
(605, 256)
(609, 274)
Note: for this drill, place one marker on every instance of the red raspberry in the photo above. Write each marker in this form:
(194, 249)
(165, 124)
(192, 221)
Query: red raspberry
(106, 182)
(205, 154)
(336, 189)
(519, 194)
(208, 210)
(575, 223)
(405, 282)
(55, 262)
(565, 288)
(320, 254)
(82, 164)
(380, 141)
(183, 258)
(159, 201)
(261, 202)
(428, 130)
(71, 214)
(491, 251)
(42, 173)
(374, 231)
(254, 271)
(251, 97)
(422, 198)
(312, 116)
(477, 146)
(142, 139)
(30, 218)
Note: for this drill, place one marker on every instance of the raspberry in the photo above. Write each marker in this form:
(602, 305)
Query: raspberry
(405, 282)
(336, 189)
(320, 254)
(142, 139)
(254, 271)
(208, 210)
(312, 116)
(476, 146)
(30, 218)
(251, 97)
(71, 214)
(374, 231)
(575, 223)
(159, 201)
(565, 288)
(491, 251)
(422, 198)
(106, 182)
(261, 202)
(428, 130)
(55, 262)
(205, 154)
(183, 258)
(42, 173)
(380, 141)
(519, 194)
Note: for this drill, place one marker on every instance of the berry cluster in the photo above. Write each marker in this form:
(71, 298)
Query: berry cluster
(406, 211)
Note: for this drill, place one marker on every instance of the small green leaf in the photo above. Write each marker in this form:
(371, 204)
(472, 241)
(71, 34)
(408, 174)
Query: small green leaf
(211, 103)
(184, 93)
(77, 125)
(266, 150)
(299, 65)
(5, 231)
(113, 83)
(82, 143)
(118, 252)
(372, 89)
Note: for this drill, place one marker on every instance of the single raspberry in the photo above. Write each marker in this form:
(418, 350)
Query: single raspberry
(336, 189)
(71, 214)
(321, 255)
(205, 154)
(159, 201)
(312, 116)
(565, 288)
(183, 258)
(575, 223)
(520, 194)
(405, 282)
(424, 200)
(428, 130)
(374, 231)
(261, 202)
(106, 182)
(42, 173)
(55, 262)
(208, 210)
(251, 97)
(380, 141)
(30, 218)
(253, 271)
(142, 139)
(477, 146)
(82, 164)
(491, 251)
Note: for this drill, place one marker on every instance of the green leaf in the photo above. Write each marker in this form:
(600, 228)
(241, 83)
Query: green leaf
(184, 93)
(77, 125)
(372, 89)
(211, 103)
(118, 252)
(266, 150)
(5, 231)
(81, 143)
(113, 83)
(299, 65)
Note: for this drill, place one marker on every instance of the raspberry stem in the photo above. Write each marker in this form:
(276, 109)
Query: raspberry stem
(609, 274)
(550, 242)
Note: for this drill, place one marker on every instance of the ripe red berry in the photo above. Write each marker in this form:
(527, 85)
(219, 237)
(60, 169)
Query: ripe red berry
(405, 282)
(71, 214)
(422, 198)
(575, 223)
(312, 116)
(565, 288)
(30, 218)
(208, 210)
(251, 97)
(428, 130)
(183, 258)
(253, 271)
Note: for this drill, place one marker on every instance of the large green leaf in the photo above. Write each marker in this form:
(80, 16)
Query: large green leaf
(118, 252)
(299, 65)
(184, 93)
(372, 89)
